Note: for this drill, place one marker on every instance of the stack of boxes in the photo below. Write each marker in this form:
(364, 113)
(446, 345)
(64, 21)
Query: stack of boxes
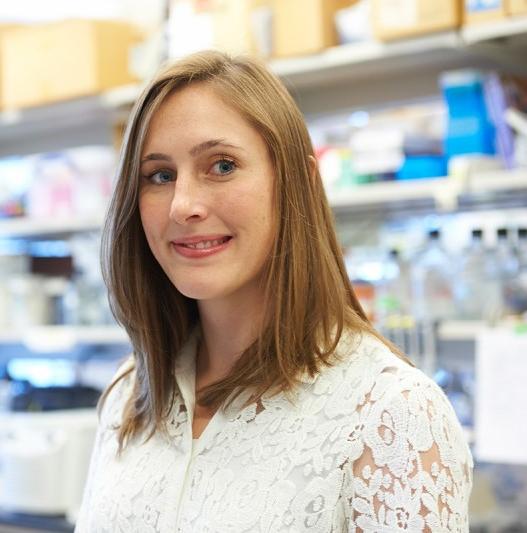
(41, 64)
(393, 19)
(301, 27)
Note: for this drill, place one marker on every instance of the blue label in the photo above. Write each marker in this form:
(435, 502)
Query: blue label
(482, 5)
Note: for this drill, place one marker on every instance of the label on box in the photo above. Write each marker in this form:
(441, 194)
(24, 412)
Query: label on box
(479, 6)
(397, 13)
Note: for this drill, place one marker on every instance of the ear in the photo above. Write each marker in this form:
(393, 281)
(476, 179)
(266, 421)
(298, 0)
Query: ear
(313, 165)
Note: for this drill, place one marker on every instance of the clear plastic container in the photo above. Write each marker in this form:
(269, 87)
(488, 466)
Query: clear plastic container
(508, 269)
(518, 297)
(28, 302)
(477, 285)
(432, 275)
(392, 298)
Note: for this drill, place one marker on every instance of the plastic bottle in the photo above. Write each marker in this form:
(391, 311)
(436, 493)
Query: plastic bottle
(402, 288)
(5, 390)
(521, 250)
(507, 269)
(387, 300)
(517, 299)
(477, 287)
(522, 244)
(432, 275)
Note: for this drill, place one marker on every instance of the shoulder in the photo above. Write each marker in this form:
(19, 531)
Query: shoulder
(369, 378)
(404, 447)
(363, 358)
(116, 394)
(399, 406)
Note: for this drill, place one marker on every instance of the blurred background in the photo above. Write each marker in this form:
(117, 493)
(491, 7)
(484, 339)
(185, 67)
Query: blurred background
(418, 111)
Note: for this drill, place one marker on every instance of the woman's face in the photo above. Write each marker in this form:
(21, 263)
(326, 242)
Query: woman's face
(206, 196)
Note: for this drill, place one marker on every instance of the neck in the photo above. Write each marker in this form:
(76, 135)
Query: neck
(229, 326)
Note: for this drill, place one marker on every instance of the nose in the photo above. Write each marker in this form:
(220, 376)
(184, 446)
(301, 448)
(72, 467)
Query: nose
(187, 203)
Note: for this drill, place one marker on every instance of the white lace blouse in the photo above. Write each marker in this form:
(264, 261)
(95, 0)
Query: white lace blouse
(370, 445)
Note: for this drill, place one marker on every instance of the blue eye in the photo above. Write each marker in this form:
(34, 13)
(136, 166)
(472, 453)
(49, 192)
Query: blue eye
(161, 176)
(224, 166)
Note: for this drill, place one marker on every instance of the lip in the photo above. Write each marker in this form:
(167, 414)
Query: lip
(180, 247)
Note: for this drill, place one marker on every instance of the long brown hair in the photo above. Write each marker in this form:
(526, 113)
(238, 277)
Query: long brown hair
(308, 301)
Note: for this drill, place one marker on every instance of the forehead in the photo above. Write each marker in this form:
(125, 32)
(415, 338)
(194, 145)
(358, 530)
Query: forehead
(198, 111)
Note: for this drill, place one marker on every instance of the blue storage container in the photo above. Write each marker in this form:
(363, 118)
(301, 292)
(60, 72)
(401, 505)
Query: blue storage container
(469, 128)
(422, 166)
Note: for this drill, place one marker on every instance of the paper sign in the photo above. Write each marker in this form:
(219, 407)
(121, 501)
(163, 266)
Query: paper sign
(501, 396)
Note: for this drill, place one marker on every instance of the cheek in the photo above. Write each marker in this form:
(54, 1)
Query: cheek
(146, 218)
(267, 212)
(150, 210)
(261, 213)
(151, 220)
(251, 209)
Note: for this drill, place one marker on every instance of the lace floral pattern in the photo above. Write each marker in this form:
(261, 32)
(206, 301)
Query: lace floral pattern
(369, 445)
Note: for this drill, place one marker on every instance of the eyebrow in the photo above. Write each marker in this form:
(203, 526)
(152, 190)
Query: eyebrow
(194, 151)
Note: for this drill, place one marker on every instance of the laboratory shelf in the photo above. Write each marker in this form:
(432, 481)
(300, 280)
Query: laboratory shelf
(444, 192)
(25, 227)
(388, 192)
(55, 337)
(460, 330)
(63, 338)
(18, 123)
(507, 28)
(498, 181)
(357, 61)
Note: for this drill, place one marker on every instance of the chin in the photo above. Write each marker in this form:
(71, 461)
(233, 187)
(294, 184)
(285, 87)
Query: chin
(199, 291)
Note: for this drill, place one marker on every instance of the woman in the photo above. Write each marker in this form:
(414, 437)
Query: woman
(258, 397)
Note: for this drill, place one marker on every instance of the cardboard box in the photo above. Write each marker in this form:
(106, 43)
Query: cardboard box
(3, 29)
(227, 15)
(253, 22)
(304, 26)
(225, 25)
(486, 11)
(52, 62)
(394, 19)
(517, 7)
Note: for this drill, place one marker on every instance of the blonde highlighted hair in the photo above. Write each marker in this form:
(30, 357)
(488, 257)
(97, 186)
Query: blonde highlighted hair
(309, 301)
